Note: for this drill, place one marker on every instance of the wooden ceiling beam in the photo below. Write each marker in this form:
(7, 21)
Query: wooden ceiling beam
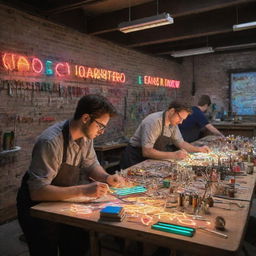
(195, 26)
(177, 8)
(66, 6)
(240, 38)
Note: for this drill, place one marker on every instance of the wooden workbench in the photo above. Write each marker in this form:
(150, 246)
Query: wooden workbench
(202, 243)
(109, 155)
(247, 129)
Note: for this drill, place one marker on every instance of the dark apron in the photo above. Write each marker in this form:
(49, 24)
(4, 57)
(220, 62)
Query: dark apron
(133, 155)
(43, 236)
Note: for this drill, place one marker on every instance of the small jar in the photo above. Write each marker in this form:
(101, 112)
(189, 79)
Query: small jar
(231, 192)
(250, 167)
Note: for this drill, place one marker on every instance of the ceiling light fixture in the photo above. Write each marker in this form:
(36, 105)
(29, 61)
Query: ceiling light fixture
(145, 23)
(190, 52)
(235, 47)
(244, 26)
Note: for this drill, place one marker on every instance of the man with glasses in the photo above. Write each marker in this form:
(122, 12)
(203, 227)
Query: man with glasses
(192, 127)
(63, 158)
(154, 135)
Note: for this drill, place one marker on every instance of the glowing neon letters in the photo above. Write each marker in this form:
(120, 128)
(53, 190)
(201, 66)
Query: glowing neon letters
(33, 65)
(99, 74)
(21, 63)
(159, 81)
(62, 69)
(37, 65)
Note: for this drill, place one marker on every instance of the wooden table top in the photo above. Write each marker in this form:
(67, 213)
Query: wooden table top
(234, 124)
(202, 243)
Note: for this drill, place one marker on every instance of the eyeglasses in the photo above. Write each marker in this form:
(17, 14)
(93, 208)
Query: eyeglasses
(101, 126)
(181, 119)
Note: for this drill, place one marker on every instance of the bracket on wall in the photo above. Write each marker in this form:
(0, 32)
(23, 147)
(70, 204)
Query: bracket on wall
(8, 156)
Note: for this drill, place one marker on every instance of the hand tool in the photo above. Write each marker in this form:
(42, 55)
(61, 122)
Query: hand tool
(213, 232)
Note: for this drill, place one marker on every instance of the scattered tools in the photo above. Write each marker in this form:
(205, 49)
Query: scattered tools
(214, 232)
(239, 205)
(230, 198)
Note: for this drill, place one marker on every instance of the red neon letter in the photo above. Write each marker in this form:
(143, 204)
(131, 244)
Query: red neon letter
(37, 65)
(62, 69)
(145, 79)
(177, 84)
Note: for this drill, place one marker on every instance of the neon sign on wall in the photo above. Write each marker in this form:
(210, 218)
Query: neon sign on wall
(33, 65)
(158, 81)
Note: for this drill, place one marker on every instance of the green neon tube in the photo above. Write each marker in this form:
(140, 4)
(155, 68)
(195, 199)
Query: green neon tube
(173, 230)
(175, 226)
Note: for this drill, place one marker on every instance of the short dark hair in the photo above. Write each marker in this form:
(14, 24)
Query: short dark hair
(94, 105)
(179, 106)
(203, 100)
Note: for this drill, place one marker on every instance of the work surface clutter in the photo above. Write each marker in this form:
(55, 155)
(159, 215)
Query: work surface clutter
(197, 200)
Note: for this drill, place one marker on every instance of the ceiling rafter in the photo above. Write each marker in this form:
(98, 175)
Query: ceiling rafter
(197, 23)
(177, 8)
(69, 6)
(194, 26)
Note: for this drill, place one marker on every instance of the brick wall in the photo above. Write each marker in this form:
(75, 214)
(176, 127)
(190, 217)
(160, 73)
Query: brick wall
(211, 75)
(23, 34)
(28, 111)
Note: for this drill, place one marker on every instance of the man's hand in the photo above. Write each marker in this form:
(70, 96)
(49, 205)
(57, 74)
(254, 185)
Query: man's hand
(180, 154)
(204, 149)
(96, 189)
(115, 180)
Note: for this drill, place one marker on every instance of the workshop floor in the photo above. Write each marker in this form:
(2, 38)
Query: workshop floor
(10, 244)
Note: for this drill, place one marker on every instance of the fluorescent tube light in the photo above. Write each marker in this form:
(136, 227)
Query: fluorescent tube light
(235, 47)
(244, 26)
(145, 23)
(190, 52)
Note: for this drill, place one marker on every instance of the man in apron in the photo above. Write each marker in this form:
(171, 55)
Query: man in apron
(156, 133)
(63, 154)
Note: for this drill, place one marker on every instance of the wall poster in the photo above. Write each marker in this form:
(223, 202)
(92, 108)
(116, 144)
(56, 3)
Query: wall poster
(243, 93)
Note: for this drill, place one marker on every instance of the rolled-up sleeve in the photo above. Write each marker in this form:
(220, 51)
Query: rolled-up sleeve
(150, 131)
(46, 161)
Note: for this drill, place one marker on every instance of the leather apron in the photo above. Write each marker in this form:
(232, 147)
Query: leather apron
(162, 141)
(133, 155)
(46, 237)
(68, 175)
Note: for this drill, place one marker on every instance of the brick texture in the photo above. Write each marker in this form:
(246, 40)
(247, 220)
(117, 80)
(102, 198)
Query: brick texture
(22, 109)
(212, 74)
(28, 112)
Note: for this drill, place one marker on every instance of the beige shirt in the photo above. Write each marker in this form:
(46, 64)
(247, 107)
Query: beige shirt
(48, 153)
(150, 129)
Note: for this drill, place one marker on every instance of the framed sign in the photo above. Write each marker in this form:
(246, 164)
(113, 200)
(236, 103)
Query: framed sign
(243, 92)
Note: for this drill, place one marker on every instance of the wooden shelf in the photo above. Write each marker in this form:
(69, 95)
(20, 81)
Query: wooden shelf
(10, 151)
(247, 129)
(109, 155)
